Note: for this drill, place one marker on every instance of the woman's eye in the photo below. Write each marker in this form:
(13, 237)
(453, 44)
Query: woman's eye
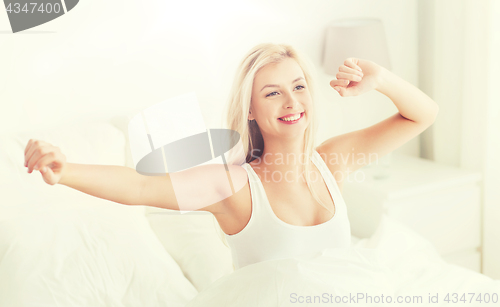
(271, 94)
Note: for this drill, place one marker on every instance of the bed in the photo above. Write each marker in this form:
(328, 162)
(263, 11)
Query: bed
(61, 247)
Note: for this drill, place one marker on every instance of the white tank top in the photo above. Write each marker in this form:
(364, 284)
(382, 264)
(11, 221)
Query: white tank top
(266, 237)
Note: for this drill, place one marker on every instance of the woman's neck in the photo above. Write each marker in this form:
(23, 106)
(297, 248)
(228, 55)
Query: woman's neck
(281, 157)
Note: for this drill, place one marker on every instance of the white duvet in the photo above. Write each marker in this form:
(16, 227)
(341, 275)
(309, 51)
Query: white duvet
(395, 267)
(60, 247)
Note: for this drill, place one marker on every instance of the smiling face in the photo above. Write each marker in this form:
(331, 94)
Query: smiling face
(281, 99)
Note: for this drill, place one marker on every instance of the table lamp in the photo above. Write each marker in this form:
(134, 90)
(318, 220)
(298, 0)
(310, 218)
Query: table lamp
(362, 38)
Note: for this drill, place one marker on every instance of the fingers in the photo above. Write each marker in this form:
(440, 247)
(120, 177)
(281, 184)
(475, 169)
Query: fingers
(341, 82)
(44, 161)
(343, 91)
(30, 149)
(28, 146)
(48, 176)
(36, 152)
(352, 63)
(350, 70)
(349, 76)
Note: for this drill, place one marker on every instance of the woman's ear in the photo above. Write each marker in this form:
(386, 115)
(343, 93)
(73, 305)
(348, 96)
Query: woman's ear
(250, 116)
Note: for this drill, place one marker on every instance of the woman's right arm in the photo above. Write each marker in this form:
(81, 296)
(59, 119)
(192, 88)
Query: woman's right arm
(124, 185)
(116, 183)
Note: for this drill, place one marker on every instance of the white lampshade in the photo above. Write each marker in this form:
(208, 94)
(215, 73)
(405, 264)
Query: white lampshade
(362, 38)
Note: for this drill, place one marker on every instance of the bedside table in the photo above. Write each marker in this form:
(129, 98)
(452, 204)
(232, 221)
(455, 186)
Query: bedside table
(441, 203)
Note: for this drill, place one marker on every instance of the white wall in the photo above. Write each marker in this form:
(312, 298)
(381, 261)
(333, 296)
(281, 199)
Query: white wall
(491, 163)
(106, 58)
(459, 47)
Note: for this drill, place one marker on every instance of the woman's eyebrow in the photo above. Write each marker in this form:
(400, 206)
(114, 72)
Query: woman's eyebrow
(275, 85)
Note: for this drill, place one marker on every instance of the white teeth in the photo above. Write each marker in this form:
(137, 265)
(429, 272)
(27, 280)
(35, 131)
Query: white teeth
(291, 118)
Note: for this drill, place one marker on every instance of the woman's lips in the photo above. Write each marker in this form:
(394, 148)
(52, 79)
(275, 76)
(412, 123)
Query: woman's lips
(292, 121)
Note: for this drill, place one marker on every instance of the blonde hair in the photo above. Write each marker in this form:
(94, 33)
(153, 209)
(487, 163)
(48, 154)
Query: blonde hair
(240, 100)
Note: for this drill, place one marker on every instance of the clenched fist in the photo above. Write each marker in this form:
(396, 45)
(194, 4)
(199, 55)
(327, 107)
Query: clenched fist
(357, 76)
(48, 159)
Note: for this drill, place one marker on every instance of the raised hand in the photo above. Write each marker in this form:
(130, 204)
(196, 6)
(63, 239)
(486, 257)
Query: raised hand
(357, 76)
(49, 160)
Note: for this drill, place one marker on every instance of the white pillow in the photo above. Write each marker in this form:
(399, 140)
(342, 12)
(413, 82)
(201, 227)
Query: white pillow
(98, 143)
(192, 240)
(121, 123)
(61, 247)
(88, 143)
(92, 252)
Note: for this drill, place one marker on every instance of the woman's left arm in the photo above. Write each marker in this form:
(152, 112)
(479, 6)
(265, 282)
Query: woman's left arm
(417, 112)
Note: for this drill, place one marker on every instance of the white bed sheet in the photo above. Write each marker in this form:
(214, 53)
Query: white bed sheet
(84, 251)
(394, 262)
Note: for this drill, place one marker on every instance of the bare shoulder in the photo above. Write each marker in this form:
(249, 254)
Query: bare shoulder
(235, 205)
(336, 168)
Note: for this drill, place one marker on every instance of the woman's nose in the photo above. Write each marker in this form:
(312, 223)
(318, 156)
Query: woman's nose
(291, 102)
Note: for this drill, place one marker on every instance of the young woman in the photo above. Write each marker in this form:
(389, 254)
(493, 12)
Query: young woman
(291, 202)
